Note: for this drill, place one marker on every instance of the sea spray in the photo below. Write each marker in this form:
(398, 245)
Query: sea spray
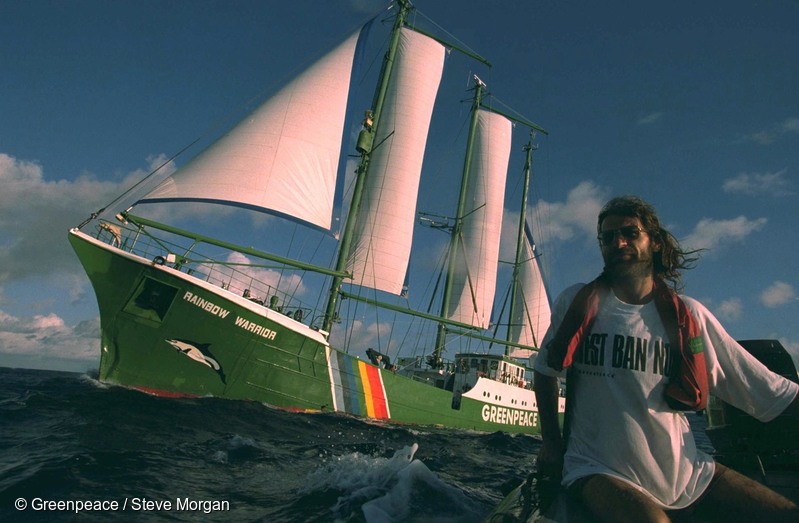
(388, 489)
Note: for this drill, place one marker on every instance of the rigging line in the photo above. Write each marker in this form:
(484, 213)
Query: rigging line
(526, 317)
(376, 59)
(349, 331)
(529, 315)
(516, 114)
(541, 224)
(281, 272)
(378, 329)
(148, 176)
(412, 326)
(364, 290)
(459, 336)
(498, 101)
(444, 257)
(501, 313)
(469, 279)
(454, 38)
(205, 262)
(304, 241)
(403, 339)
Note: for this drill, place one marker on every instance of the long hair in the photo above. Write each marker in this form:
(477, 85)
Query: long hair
(671, 259)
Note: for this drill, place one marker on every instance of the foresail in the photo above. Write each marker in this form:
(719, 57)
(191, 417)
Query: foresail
(382, 239)
(283, 158)
(477, 256)
(532, 310)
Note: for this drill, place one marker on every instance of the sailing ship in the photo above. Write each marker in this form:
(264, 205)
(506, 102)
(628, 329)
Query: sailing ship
(182, 313)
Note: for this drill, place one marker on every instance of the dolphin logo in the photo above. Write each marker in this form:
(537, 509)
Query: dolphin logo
(198, 352)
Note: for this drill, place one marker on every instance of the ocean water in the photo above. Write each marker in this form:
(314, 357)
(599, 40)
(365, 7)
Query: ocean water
(74, 449)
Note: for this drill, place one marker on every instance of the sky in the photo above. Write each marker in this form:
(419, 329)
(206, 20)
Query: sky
(691, 105)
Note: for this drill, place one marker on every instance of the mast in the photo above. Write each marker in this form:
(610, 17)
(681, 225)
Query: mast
(365, 140)
(458, 225)
(529, 148)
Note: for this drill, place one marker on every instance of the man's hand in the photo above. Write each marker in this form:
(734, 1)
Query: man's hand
(550, 456)
(550, 459)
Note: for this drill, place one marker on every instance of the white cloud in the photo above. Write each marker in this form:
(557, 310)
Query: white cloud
(775, 132)
(649, 118)
(730, 310)
(790, 125)
(778, 293)
(35, 214)
(576, 217)
(710, 233)
(362, 334)
(261, 282)
(769, 184)
(45, 341)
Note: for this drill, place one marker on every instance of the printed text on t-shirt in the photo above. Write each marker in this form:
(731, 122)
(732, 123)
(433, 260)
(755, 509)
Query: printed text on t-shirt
(625, 352)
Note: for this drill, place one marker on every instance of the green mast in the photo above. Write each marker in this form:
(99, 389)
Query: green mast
(365, 140)
(529, 148)
(458, 225)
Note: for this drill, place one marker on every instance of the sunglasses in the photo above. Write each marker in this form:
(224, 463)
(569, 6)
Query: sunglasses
(630, 232)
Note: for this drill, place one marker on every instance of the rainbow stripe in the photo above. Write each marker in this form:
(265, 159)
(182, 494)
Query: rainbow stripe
(357, 387)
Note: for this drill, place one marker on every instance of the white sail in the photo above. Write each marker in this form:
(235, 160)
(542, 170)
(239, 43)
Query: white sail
(284, 157)
(382, 241)
(474, 280)
(532, 311)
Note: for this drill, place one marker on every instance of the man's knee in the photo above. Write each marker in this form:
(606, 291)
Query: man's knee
(732, 494)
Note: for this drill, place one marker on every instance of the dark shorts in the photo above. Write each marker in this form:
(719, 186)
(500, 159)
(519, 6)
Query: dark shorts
(697, 505)
(576, 488)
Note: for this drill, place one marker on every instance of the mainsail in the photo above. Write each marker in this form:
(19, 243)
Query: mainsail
(284, 157)
(477, 255)
(382, 240)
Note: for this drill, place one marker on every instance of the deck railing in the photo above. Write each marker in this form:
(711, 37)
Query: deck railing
(187, 255)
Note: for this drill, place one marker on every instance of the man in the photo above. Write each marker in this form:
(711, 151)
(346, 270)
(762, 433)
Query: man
(638, 356)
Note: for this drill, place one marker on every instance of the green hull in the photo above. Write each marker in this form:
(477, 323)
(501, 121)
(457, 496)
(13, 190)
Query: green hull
(168, 333)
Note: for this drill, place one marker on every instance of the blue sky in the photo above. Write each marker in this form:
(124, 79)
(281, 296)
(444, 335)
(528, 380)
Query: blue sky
(691, 105)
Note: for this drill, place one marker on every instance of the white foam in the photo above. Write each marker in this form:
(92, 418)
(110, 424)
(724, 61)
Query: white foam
(390, 489)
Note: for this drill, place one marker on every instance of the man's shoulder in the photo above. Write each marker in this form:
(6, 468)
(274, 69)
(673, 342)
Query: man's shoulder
(697, 307)
(566, 297)
(691, 302)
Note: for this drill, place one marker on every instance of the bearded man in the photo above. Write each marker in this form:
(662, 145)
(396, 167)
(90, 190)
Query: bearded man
(638, 357)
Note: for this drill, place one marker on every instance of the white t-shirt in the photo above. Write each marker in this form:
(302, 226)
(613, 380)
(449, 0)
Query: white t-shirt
(621, 424)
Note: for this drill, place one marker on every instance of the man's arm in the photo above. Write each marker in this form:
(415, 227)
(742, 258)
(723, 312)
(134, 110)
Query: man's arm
(791, 410)
(550, 457)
